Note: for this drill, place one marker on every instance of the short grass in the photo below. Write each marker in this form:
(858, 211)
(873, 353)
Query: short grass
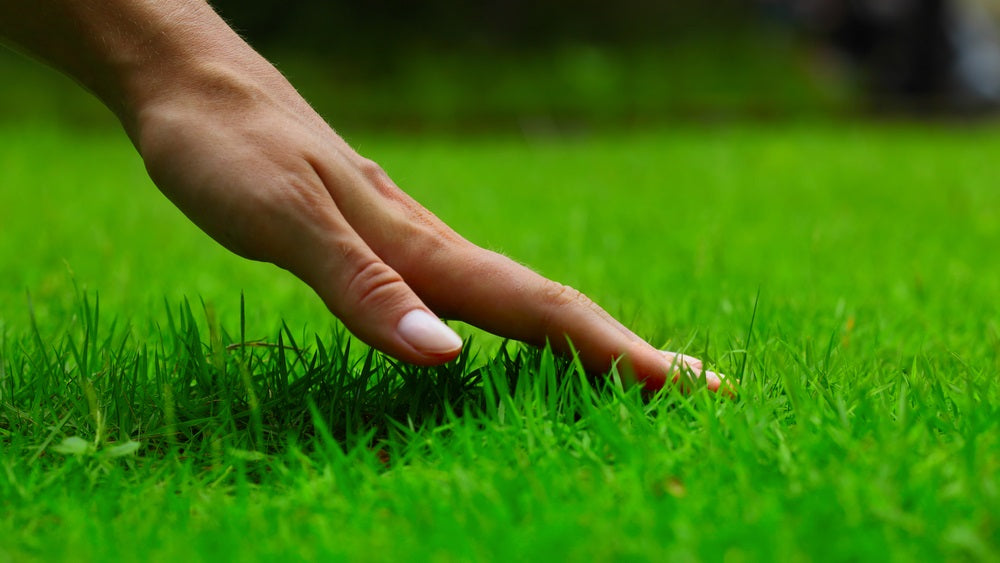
(163, 400)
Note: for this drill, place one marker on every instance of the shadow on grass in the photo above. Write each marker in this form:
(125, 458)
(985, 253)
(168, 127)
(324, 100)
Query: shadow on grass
(200, 388)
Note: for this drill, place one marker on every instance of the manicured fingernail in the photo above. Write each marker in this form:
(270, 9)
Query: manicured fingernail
(427, 333)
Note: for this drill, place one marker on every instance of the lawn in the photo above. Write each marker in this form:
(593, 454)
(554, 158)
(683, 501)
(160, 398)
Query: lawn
(161, 399)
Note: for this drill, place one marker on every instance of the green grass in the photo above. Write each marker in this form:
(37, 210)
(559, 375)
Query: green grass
(867, 424)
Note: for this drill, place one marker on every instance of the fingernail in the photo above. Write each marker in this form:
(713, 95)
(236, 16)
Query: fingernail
(427, 333)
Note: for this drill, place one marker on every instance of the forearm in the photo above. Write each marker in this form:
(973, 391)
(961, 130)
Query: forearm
(130, 52)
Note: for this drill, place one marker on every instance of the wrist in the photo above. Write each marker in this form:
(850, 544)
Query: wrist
(182, 56)
(143, 56)
(132, 54)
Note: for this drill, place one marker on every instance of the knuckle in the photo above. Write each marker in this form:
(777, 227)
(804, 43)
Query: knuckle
(371, 170)
(558, 295)
(557, 298)
(378, 179)
(373, 285)
(424, 246)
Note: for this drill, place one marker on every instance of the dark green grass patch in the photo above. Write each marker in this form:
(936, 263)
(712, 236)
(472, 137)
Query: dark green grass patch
(146, 426)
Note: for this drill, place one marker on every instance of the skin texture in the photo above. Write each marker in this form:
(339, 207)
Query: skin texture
(229, 141)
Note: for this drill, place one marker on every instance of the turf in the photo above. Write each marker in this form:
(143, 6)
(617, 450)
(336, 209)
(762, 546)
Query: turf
(163, 400)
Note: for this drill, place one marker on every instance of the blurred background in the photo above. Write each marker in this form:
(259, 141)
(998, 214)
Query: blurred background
(557, 66)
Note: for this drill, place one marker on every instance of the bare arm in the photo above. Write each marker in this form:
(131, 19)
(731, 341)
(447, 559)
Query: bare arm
(235, 147)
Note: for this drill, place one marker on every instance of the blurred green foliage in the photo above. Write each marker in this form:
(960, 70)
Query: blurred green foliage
(758, 74)
(381, 29)
(534, 67)
(537, 68)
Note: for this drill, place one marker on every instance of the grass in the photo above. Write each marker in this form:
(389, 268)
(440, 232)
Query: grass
(149, 412)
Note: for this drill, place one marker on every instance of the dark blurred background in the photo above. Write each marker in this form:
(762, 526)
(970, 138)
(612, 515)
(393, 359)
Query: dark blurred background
(560, 65)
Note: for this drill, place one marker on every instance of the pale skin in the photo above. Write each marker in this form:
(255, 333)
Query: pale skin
(229, 141)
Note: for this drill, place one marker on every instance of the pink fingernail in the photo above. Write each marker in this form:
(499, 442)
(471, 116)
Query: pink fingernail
(427, 333)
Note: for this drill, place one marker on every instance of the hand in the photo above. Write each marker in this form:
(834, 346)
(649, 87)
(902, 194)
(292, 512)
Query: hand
(232, 144)
(248, 161)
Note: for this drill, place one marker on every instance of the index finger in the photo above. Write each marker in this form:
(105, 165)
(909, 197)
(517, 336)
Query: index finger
(495, 293)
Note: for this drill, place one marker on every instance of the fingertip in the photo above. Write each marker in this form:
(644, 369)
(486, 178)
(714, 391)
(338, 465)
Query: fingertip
(712, 380)
(434, 341)
(684, 359)
(729, 387)
(655, 368)
(678, 369)
(718, 383)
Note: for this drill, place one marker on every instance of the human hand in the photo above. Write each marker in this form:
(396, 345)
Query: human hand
(248, 161)
(234, 146)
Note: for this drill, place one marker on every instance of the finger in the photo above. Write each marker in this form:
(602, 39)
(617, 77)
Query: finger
(711, 379)
(683, 359)
(373, 301)
(508, 299)
(377, 306)
(463, 281)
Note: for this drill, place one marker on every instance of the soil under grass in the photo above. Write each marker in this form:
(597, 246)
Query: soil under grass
(147, 412)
